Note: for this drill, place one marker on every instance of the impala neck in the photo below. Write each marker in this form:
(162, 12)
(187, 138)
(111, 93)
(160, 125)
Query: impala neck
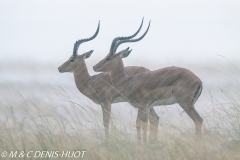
(118, 74)
(81, 75)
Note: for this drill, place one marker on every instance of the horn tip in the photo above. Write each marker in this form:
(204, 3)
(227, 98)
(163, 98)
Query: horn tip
(149, 23)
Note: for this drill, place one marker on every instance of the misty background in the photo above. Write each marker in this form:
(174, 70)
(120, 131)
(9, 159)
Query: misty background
(193, 31)
(38, 36)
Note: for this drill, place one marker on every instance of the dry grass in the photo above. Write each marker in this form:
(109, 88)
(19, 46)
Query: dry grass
(38, 116)
(34, 124)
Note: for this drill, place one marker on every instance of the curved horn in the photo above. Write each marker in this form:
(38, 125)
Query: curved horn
(123, 38)
(77, 43)
(131, 40)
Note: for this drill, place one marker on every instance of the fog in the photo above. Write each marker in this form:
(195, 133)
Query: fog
(38, 36)
(190, 31)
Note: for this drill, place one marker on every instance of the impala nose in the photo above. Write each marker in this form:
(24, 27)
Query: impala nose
(59, 69)
(94, 68)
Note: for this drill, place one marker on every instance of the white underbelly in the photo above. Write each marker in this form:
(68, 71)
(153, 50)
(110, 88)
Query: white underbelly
(118, 99)
(167, 101)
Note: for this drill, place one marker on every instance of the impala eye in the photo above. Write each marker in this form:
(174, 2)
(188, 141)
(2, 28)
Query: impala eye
(108, 59)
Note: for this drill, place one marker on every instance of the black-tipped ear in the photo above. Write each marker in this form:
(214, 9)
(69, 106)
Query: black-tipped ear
(88, 54)
(125, 53)
(128, 52)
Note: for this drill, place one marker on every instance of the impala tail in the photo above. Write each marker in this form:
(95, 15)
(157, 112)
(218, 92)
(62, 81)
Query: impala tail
(197, 94)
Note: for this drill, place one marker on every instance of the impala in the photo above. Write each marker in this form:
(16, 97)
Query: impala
(164, 86)
(99, 87)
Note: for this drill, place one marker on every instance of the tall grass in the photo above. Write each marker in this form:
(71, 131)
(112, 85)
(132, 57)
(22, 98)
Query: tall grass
(34, 124)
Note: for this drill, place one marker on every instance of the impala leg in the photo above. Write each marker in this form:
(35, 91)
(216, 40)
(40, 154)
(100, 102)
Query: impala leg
(138, 126)
(198, 121)
(144, 120)
(154, 119)
(193, 114)
(106, 109)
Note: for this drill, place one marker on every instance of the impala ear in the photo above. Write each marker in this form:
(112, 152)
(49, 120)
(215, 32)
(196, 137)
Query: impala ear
(87, 55)
(124, 53)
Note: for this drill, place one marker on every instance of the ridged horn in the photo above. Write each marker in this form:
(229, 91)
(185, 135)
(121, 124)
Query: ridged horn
(123, 38)
(77, 43)
(131, 40)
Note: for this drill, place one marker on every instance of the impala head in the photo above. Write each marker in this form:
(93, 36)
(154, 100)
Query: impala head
(113, 59)
(71, 64)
